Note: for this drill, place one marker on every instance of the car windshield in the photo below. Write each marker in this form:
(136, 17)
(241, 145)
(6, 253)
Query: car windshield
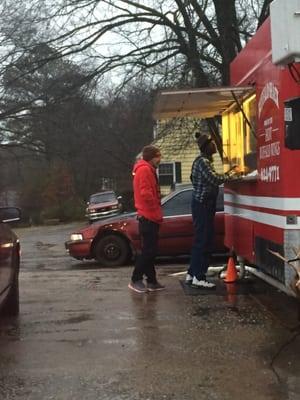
(102, 198)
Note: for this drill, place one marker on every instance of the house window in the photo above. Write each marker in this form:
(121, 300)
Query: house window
(169, 173)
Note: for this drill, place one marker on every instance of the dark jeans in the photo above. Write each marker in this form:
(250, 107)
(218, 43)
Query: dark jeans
(144, 264)
(203, 221)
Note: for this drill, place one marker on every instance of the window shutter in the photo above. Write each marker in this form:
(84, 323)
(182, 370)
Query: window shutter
(178, 172)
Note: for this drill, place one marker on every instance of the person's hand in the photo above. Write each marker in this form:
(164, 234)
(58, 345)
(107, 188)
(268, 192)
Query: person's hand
(235, 170)
(238, 170)
(235, 173)
(235, 176)
(232, 168)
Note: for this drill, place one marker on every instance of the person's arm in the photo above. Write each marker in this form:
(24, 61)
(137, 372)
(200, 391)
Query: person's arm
(145, 186)
(210, 175)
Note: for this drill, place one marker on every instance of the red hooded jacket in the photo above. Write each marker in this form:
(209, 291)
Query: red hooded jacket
(146, 191)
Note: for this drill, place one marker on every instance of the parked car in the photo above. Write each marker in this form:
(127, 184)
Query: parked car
(103, 205)
(116, 240)
(9, 262)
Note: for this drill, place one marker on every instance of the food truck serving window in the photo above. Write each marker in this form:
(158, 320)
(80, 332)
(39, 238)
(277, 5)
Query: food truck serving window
(238, 133)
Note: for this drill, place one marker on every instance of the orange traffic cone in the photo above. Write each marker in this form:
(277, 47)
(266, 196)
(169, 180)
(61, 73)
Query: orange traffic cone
(231, 272)
(231, 294)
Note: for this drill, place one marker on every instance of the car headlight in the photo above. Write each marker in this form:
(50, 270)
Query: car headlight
(76, 236)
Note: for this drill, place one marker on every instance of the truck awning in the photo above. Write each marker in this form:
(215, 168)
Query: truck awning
(201, 103)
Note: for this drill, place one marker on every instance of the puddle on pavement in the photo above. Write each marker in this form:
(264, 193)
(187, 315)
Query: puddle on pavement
(76, 342)
(15, 329)
(12, 387)
(123, 342)
(96, 282)
(166, 271)
(230, 290)
(10, 329)
(75, 320)
(41, 245)
(242, 316)
(234, 303)
(37, 301)
(93, 283)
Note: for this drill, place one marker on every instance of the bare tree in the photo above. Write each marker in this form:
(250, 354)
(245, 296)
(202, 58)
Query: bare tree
(170, 43)
(185, 39)
(174, 43)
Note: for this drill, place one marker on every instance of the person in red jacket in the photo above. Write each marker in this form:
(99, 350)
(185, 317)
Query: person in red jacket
(149, 214)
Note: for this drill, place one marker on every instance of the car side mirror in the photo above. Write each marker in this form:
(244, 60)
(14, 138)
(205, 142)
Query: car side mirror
(10, 214)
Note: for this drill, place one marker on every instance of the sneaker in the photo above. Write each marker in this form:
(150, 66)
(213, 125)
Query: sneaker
(153, 287)
(137, 286)
(202, 284)
(188, 279)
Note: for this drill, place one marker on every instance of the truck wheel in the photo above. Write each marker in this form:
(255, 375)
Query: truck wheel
(112, 251)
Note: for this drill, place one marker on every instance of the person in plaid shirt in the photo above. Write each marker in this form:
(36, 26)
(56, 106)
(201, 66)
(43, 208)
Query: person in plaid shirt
(206, 183)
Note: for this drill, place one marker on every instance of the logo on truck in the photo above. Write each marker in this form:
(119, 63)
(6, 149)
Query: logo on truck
(269, 147)
(269, 91)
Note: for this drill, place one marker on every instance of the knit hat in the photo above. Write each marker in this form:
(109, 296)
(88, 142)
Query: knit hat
(202, 139)
(150, 152)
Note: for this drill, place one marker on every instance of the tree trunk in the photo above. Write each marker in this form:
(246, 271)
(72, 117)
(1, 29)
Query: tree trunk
(227, 25)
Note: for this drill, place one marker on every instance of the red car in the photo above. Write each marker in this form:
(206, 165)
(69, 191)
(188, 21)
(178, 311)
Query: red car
(9, 262)
(103, 205)
(114, 241)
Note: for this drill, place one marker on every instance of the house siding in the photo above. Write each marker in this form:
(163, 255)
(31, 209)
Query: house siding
(184, 149)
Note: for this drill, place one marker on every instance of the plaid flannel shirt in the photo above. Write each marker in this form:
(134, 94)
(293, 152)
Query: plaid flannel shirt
(205, 179)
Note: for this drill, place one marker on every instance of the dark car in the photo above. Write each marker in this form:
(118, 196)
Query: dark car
(116, 240)
(9, 262)
(102, 205)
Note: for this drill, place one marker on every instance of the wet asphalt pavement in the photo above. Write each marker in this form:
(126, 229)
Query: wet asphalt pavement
(82, 334)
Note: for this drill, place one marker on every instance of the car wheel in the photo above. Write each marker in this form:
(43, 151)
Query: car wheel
(112, 251)
(11, 306)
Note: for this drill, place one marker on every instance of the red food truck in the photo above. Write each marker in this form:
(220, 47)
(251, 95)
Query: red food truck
(260, 115)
